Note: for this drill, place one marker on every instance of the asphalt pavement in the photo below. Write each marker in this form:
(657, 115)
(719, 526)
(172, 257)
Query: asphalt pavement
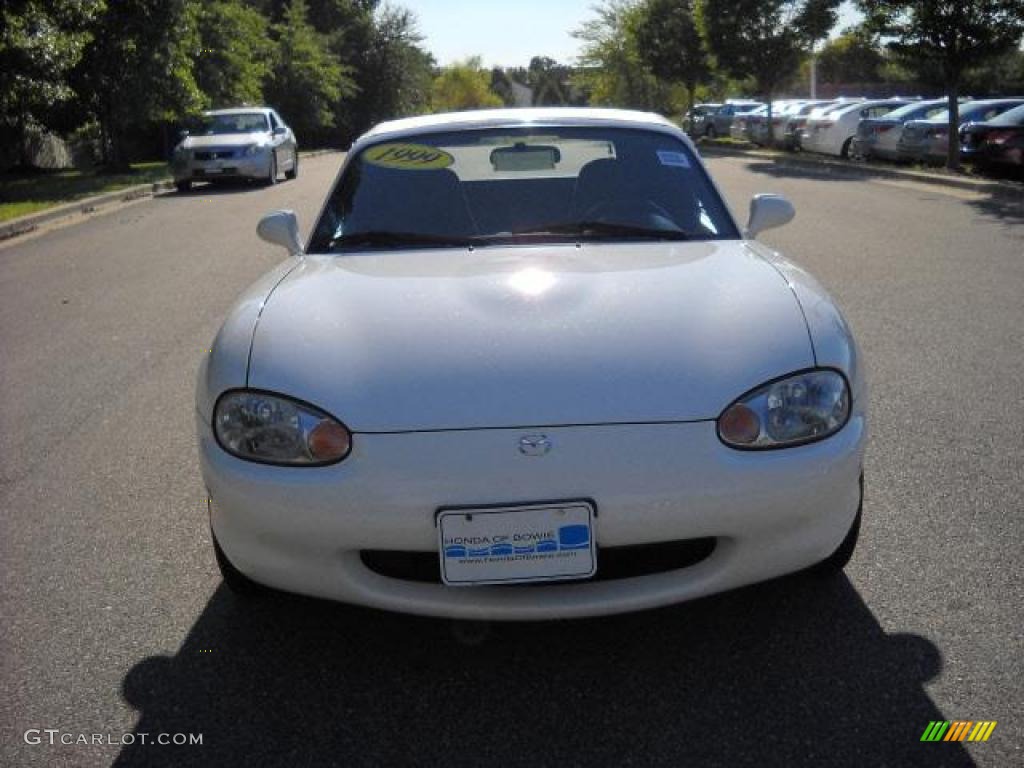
(115, 623)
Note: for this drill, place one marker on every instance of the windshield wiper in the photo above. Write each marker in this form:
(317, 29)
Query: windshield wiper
(387, 238)
(606, 229)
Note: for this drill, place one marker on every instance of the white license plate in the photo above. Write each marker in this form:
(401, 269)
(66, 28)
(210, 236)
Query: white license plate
(509, 545)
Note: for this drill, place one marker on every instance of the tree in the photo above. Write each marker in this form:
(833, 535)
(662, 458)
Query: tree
(549, 82)
(612, 70)
(670, 44)
(39, 44)
(765, 39)
(137, 69)
(306, 82)
(235, 53)
(464, 85)
(944, 39)
(853, 57)
(395, 72)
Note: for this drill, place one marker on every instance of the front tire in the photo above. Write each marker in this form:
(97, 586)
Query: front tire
(711, 133)
(845, 151)
(294, 172)
(272, 175)
(240, 585)
(183, 186)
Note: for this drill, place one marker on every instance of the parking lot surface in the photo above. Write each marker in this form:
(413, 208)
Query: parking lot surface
(115, 621)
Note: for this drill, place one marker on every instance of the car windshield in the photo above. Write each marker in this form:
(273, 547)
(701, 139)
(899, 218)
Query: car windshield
(521, 185)
(243, 122)
(1014, 116)
(915, 111)
(970, 112)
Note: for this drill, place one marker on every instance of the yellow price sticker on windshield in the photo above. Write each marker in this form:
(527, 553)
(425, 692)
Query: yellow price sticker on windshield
(408, 157)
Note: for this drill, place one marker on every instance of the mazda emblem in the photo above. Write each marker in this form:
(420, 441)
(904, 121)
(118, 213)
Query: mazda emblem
(534, 445)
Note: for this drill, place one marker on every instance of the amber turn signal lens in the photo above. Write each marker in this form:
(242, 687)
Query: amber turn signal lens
(329, 441)
(739, 425)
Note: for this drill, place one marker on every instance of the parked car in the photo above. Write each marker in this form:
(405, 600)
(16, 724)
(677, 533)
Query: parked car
(878, 137)
(927, 140)
(741, 120)
(242, 143)
(997, 142)
(793, 125)
(757, 126)
(698, 119)
(833, 132)
(523, 347)
(721, 120)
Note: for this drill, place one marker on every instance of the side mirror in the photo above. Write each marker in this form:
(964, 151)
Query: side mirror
(281, 228)
(768, 212)
(183, 134)
(280, 130)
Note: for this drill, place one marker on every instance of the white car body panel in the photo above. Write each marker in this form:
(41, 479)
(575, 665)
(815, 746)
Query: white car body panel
(773, 512)
(517, 336)
(621, 354)
(832, 132)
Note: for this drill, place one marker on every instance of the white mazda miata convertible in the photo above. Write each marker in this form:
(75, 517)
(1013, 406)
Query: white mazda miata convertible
(523, 349)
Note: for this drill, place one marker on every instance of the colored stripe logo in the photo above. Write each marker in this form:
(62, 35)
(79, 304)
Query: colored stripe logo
(958, 730)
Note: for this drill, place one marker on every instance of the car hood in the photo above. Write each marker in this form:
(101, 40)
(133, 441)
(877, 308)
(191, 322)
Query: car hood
(224, 140)
(529, 336)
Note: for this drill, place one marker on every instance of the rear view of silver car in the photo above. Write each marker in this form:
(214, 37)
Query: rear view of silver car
(243, 143)
(879, 137)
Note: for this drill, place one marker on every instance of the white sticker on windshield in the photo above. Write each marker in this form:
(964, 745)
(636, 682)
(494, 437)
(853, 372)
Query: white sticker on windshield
(678, 159)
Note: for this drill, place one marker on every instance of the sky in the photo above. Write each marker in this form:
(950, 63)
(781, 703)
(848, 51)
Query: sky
(511, 32)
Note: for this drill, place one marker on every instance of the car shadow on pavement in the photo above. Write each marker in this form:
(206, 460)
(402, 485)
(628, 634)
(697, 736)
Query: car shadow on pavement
(206, 189)
(791, 672)
(1003, 200)
(1007, 208)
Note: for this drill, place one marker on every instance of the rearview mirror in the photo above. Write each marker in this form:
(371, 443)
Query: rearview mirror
(768, 212)
(281, 228)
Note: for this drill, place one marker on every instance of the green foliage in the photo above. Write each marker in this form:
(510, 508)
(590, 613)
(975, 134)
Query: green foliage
(235, 53)
(853, 57)
(40, 42)
(306, 82)
(764, 39)
(940, 40)
(612, 70)
(396, 73)
(137, 68)
(670, 43)
(549, 82)
(464, 85)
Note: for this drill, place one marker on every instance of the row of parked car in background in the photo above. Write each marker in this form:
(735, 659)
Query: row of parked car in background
(898, 128)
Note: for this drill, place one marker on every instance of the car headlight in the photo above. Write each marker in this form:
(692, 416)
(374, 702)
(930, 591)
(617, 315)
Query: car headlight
(260, 426)
(794, 410)
(254, 149)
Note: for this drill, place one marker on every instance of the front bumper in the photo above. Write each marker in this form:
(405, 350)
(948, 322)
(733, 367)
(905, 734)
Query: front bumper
(770, 512)
(239, 166)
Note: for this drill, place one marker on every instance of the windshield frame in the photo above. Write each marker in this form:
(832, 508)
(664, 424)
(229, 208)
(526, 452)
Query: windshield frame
(206, 119)
(731, 229)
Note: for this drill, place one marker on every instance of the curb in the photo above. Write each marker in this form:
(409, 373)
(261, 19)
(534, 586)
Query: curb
(87, 205)
(992, 186)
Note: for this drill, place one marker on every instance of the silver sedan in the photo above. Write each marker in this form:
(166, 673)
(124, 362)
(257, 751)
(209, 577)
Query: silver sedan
(243, 143)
